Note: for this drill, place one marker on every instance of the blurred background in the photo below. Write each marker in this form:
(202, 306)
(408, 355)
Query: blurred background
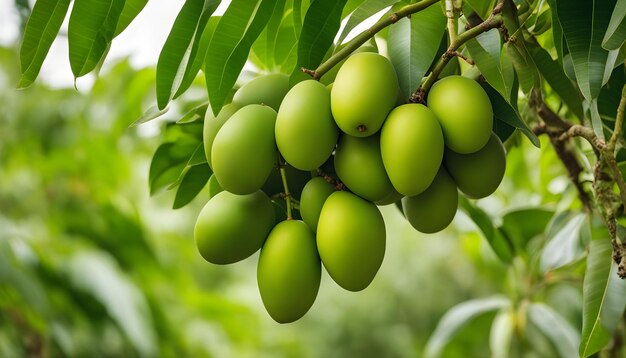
(91, 265)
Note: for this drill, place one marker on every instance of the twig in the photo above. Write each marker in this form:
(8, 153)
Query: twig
(619, 119)
(451, 25)
(287, 194)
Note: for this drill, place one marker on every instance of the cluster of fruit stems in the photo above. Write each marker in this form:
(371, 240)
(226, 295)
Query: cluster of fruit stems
(559, 129)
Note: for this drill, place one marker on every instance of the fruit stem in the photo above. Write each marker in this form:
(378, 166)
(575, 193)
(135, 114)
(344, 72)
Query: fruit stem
(364, 36)
(283, 176)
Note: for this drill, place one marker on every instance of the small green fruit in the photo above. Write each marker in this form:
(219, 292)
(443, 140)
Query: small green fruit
(393, 197)
(268, 90)
(289, 271)
(314, 194)
(351, 240)
(232, 227)
(213, 124)
(329, 77)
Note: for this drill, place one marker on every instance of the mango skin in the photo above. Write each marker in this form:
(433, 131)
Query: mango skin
(232, 227)
(359, 165)
(478, 174)
(411, 145)
(363, 93)
(330, 76)
(464, 111)
(392, 197)
(267, 89)
(314, 194)
(244, 150)
(212, 125)
(305, 131)
(434, 209)
(351, 240)
(289, 271)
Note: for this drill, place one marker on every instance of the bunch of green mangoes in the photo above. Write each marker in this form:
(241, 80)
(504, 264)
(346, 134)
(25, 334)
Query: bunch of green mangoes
(298, 174)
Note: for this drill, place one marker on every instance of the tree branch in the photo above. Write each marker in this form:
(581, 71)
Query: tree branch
(452, 31)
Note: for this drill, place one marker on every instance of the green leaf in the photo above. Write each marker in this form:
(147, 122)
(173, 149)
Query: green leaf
(481, 7)
(132, 8)
(42, 28)
(320, 26)
(554, 74)
(168, 162)
(611, 94)
(521, 225)
(151, 113)
(496, 68)
(91, 29)
(557, 31)
(616, 32)
(604, 297)
(560, 332)
(263, 47)
(361, 13)
(413, 44)
(286, 48)
(501, 334)
(230, 45)
(181, 47)
(194, 179)
(197, 113)
(564, 241)
(504, 112)
(457, 317)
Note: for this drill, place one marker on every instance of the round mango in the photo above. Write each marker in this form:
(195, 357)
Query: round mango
(411, 144)
(464, 111)
(306, 133)
(212, 125)
(434, 209)
(244, 150)
(329, 77)
(289, 271)
(478, 174)
(314, 194)
(232, 227)
(351, 240)
(363, 93)
(268, 90)
(359, 166)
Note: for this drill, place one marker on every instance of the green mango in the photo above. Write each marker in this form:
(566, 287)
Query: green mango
(267, 89)
(464, 111)
(330, 76)
(478, 174)
(232, 227)
(289, 271)
(359, 166)
(305, 131)
(244, 150)
(314, 194)
(411, 145)
(363, 93)
(391, 198)
(434, 209)
(212, 125)
(351, 240)
(214, 186)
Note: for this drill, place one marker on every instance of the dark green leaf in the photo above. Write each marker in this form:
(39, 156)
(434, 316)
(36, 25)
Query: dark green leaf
(481, 7)
(42, 28)
(361, 13)
(557, 31)
(194, 179)
(413, 44)
(527, 72)
(132, 8)
(616, 32)
(611, 93)
(497, 69)
(230, 45)
(91, 29)
(168, 162)
(181, 47)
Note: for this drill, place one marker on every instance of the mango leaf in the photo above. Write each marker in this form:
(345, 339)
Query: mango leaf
(616, 32)
(501, 334)
(362, 13)
(481, 7)
(286, 47)
(197, 113)
(611, 94)
(497, 69)
(91, 29)
(563, 241)
(457, 317)
(504, 112)
(230, 45)
(131, 9)
(41, 30)
(604, 297)
(413, 44)
(194, 179)
(181, 47)
(151, 113)
(560, 332)
(168, 162)
(524, 65)
(521, 225)
(263, 48)
(557, 31)
(320, 26)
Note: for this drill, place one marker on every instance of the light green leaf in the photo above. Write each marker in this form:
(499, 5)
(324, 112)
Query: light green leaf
(197, 113)
(413, 44)
(230, 45)
(457, 317)
(263, 47)
(616, 32)
(521, 225)
(604, 297)
(91, 29)
(560, 332)
(194, 179)
(497, 70)
(43, 25)
(286, 48)
(132, 8)
(361, 13)
(181, 47)
(501, 334)
(563, 245)
(151, 113)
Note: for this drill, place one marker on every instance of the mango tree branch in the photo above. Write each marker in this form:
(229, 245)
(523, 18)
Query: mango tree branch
(366, 35)
(493, 21)
(452, 32)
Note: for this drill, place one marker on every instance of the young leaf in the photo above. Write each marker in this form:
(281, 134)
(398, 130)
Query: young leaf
(363, 12)
(132, 8)
(457, 317)
(91, 29)
(181, 46)
(413, 44)
(43, 25)
(560, 332)
(486, 53)
(230, 45)
(194, 179)
(616, 32)
(604, 297)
